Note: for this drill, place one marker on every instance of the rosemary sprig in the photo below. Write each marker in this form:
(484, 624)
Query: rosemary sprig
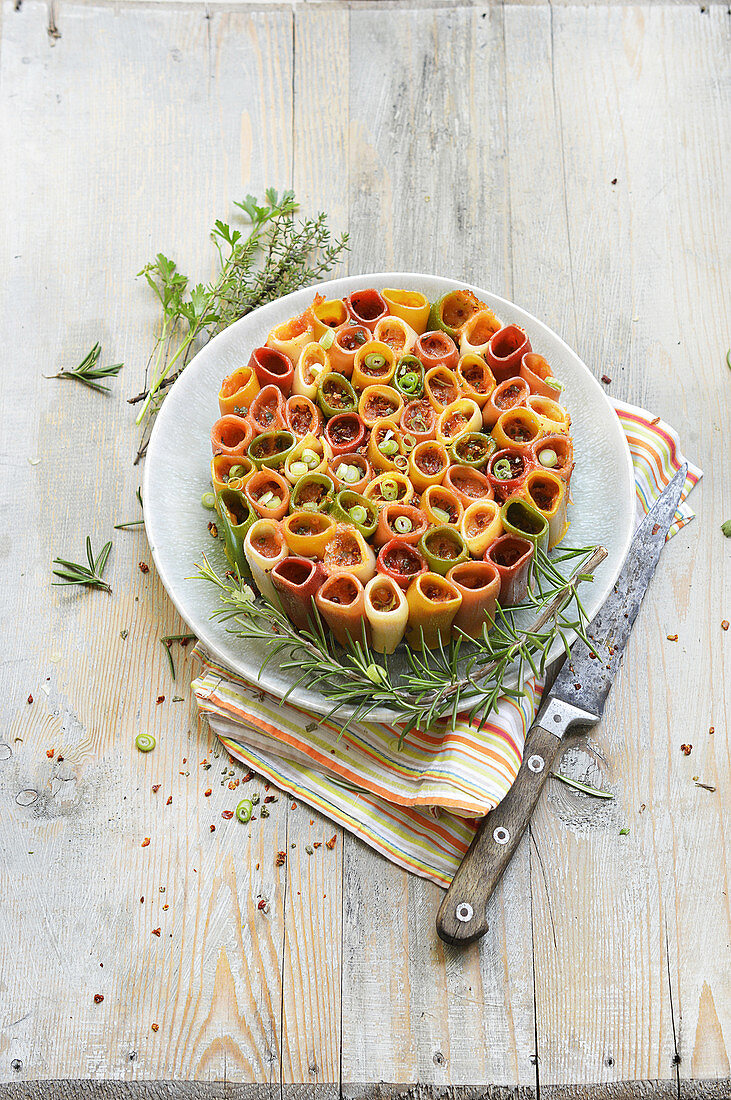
(167, 640)
(132, 522)
(595, 792)
(466, 676)
(88, 372)
(276, 257)
(91, 576)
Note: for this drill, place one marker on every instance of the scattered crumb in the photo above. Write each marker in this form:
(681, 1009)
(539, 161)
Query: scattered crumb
(30, 699)
(606, 379)
(213, 828)
(98, 998)
(614, 181)
(144, 567)
(169, 801)
(145, 842)
(724, 624)
(317, 844)
(155, 1027)
(331, 842)
(309, 849)
(156, 931)
(213, 529)
(49, 753)
(672, 637)
(281, 858)
(655, 421)
(624, 831)
(156, 788)
(207, 794)
(227, 814)
(263, 905)
(160, 699)
(686, 749)
(711, 729)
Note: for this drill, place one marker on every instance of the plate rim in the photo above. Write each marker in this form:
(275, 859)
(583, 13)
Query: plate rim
(314, 701)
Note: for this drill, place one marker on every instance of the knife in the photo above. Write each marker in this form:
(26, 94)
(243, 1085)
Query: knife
(576, 698)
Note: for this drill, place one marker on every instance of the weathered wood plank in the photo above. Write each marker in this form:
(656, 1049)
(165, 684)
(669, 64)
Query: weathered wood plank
(427, 193)
(639, 98)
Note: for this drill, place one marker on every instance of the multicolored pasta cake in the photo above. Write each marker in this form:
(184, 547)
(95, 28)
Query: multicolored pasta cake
(394, 462)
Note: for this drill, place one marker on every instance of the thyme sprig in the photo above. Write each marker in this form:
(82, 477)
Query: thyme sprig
(275, 257)
(74, 573)
(466, 677)
(89, 372)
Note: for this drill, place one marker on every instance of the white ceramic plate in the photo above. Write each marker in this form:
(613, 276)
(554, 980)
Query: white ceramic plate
(177, 467)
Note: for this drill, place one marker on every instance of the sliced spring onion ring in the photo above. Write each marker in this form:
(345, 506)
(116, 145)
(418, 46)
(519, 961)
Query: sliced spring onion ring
(358, 514)
(388, 446)
(502, 470)
(145, 742)
(299, 469)
(389, 489)
(547, 457)
(441, 515)
(327, 339)
(208, 500)
(244, 810)
(403, 525)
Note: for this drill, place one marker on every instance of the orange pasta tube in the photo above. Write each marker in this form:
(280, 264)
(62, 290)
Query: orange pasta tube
(436, 349)
(231, 435)
(302, 416)
(419, 419)
(410, 306)
(348, 338)
(517, 428)
(481, 525)
(547, 492)
(477, 331)
(268, 494)
(307, 533)
(373, 364)
(397, 333)
(389, 488)
(387, 612)
(268, 411)
(510, 394)
(475, 378)
(346, 551)
(291, 336)
(468, 484)
(400, 521)
(556, 453)
(380, 403)
(478, 583)
(341, 602)
(463, 415)
(441, 387)
(350, 471)
(433, 603)
(428, 463)
(538, 374)
(237, 392)
(230, 471)
(385, 444)
(441, 505)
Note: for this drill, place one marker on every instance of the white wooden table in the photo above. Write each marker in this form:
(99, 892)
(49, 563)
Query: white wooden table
(480, 141)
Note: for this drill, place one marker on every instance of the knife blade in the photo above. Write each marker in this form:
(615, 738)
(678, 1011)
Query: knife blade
(577, 697)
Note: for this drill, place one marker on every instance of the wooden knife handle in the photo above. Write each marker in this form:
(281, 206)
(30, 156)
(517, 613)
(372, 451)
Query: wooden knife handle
(462, 916)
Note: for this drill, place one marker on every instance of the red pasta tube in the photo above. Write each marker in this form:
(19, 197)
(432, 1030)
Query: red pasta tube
(513, 393)
(302, 416)
(273, 368)
(401, 561)
(555, 453)
(366, 307)
(231, 435)
(537, 371)
(267, 412)
(237, 392)
(433, 603)
(511, 556)
(268, 494)
(400, 521)
(475, 378)
(419, 419)
(348, 552)
(348, 338)
(436, 349)
(296, 581)
(341, 602)
(506, 471)
(517, 428)
(387, 612)
(505, 351)
(428, 463)
(468, 484)
(478, 582)
(345, 432)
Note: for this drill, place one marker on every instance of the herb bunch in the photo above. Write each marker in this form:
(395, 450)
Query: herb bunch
(465, 677)
(275, 257)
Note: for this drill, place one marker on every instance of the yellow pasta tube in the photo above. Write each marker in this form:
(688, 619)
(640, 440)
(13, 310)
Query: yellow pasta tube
(374, 364)
(477, 332)
(312, 366)
(481, 525)
(553, 417)
(397, 333)
(410, 306)
(293, 335)
(433, 602)
(463, 415)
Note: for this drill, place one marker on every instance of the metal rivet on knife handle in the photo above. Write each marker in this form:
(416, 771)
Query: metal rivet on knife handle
(536, 764)
(464, 912)
(501, 835)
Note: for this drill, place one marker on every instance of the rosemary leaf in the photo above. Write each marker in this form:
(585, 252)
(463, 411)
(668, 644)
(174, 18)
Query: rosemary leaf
(87, 576)
(88, 372)
(595, 792)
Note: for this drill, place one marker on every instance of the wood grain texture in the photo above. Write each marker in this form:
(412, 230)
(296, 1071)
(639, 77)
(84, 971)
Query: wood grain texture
(480, 141)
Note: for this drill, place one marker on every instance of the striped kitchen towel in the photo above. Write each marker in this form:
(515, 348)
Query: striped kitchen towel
(418, 805)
